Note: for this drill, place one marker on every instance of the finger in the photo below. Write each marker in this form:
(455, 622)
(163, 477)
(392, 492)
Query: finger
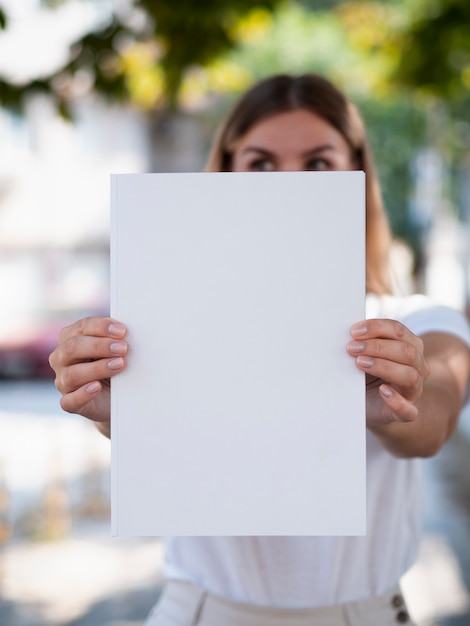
(77, 401)
(72, 378)
(407, 379)
(393, 350)
(80, 348)
(94, 327)
(385, 329)
(402, 409)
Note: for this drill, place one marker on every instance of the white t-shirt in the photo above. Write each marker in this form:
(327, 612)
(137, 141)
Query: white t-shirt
(319, 571)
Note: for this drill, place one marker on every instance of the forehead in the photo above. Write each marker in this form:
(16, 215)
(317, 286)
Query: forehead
(299, 128)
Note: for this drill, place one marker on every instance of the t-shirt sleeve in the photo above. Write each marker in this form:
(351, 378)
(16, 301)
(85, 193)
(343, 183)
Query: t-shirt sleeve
(421, 315)
(440, 319)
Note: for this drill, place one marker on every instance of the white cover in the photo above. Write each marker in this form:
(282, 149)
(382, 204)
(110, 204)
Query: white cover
(235, 331)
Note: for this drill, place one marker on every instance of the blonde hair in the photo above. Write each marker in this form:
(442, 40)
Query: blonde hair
(283, 93)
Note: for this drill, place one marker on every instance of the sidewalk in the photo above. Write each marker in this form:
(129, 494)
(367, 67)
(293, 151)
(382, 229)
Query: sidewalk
(80, 581)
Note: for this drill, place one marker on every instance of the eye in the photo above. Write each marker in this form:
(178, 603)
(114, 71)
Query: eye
(318, 164)
(262, 165)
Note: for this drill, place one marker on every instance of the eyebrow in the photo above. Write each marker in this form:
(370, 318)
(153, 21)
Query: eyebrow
(257, 150)
(311, 151)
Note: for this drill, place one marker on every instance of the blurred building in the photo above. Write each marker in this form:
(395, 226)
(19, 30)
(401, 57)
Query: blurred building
(54, 211)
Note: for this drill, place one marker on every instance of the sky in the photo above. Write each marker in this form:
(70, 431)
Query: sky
(37, 40)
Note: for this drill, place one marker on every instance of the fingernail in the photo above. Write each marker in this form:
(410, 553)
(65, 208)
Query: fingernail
(386, 391)
(116, 364)
(356, 346)
(118, 347)
(117, 330)
(93, 388)
(358, 330)
(365, 361)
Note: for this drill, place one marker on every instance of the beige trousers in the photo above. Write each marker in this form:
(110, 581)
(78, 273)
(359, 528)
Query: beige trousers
(185, 604)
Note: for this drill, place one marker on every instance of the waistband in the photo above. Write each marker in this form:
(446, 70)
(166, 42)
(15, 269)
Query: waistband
(185, 604)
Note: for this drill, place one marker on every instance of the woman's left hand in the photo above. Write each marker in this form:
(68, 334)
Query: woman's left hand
(393, 359)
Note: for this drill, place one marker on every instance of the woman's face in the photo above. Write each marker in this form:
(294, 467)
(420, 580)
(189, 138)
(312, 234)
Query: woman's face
(293, 141)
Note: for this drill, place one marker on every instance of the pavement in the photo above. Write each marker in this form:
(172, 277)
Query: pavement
(80, 581)
(61, 567)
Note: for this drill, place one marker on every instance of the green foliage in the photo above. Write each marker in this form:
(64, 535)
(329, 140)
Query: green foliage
(298, 41)
(52, 4)
(187, 34)
(320, 5)
(194, 32)
(3, 19)
(429, 49)
(96, 55)
(396, 128)
(12, 97)
(436, 50)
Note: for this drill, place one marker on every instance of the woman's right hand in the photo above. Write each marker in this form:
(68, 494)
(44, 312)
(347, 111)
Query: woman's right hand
(88, 353)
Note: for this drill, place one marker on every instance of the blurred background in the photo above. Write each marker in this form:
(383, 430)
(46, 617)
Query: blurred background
(93, 87)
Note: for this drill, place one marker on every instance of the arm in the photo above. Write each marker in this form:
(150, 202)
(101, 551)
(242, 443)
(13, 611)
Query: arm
(88, 354)
(415, 386)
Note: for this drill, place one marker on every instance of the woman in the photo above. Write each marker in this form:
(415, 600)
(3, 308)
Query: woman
(417, 362)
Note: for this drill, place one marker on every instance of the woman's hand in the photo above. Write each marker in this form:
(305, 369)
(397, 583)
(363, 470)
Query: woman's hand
(393, 359)
(88, 353)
